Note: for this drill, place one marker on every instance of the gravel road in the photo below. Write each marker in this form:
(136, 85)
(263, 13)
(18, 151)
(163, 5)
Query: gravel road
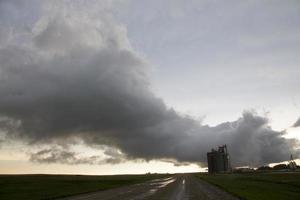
(179, 187)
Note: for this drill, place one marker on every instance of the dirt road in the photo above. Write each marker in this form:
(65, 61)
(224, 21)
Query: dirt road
(179, 187)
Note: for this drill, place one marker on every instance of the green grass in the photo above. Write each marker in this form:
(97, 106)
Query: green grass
(258, 186)
(36, 187)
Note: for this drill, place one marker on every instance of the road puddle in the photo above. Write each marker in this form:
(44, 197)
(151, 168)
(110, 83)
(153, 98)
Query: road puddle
(156, 184)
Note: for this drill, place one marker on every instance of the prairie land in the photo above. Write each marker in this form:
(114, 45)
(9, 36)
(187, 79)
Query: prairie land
(36, 187)
(258, 186)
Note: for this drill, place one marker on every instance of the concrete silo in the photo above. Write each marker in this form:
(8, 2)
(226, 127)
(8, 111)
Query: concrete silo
(218, 160)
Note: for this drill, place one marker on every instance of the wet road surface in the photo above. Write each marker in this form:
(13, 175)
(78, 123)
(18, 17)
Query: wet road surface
(179, 187)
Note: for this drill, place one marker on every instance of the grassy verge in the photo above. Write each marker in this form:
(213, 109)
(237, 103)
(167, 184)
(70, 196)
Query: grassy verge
(36, 187)
(258, 186)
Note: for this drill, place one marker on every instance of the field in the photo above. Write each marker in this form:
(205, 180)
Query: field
(258, 186)
(33, 187)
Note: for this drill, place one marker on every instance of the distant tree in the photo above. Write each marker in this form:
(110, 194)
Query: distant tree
(280, 167)
(262, 168)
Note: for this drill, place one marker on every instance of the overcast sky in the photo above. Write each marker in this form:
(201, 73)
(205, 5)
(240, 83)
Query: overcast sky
(217, 58)
(96, 84)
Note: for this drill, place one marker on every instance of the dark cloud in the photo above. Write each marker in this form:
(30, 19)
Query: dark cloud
(68, 83)
(63, 156)
(297, 123)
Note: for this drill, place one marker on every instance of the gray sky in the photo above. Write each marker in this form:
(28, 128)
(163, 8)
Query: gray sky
(116, 82)
(218, 58)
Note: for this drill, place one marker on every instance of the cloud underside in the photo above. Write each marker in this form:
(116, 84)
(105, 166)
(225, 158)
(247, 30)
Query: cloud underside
(66, 156)
(297, 123)
(64, 77)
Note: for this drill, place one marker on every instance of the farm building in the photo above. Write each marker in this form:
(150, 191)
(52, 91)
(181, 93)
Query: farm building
(218, 160)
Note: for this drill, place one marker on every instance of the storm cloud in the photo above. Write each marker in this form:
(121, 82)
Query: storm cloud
(66, 75)
(297, 123)
(66, 156)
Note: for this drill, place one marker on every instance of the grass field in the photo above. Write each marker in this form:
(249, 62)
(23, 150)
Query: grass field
(258, 186)
(33, 187)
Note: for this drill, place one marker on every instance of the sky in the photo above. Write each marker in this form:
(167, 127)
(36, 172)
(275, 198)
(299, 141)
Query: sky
(131, 86)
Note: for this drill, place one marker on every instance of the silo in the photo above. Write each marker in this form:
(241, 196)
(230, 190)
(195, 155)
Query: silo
(218, 160)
